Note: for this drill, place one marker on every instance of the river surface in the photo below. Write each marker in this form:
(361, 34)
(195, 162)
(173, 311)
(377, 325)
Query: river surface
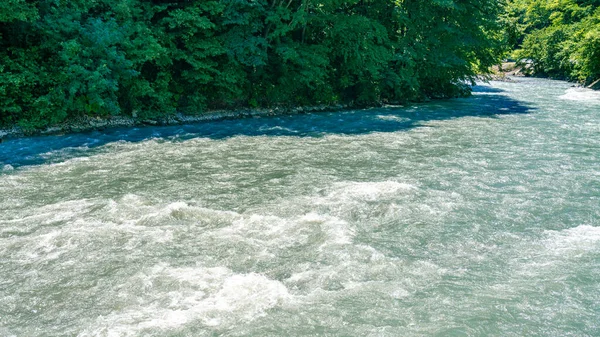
(467, 217)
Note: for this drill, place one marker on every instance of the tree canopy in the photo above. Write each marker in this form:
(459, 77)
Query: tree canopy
(61, 59)
(561, 38)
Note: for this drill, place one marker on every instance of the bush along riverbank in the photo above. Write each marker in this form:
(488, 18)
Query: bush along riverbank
(62, 62)
(556, 39)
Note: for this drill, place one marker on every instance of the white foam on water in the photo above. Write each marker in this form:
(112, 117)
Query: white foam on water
(200, 215)
(581, 94)
(48, 246)
(267, 235)
(393, 118)
(99, 226)
(360, 269)
(276, 128)
(69, 226)
(7, 168)
(559, 250)
(64, 153)
(368, 191)
(39, 234)
(135, 210)
(53, 214)
(167, 298)
(338, 231)
(573, 241)
(9, 183)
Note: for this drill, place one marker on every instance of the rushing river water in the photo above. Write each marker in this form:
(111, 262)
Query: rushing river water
(468, 217)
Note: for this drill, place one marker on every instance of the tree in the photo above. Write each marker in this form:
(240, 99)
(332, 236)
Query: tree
(150, 58)
(559, 37)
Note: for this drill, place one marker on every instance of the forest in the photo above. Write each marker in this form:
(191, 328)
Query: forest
(60, 59)
(559, 38)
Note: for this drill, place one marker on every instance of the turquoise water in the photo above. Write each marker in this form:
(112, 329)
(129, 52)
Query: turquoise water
(468, 217)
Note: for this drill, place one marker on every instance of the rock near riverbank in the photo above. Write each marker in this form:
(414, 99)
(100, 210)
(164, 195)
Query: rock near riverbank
(506, 70)
(86, 123)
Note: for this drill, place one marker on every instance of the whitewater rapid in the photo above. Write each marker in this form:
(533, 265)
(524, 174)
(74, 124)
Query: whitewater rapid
(476, 216)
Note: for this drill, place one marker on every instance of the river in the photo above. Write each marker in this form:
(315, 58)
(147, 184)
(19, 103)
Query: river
(468, 217)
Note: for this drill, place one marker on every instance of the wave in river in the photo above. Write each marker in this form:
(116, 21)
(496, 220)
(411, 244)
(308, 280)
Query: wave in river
(582, 95)
(166, 297)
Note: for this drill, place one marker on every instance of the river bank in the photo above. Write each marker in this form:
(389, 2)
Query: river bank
(87, 123)
(504, 71)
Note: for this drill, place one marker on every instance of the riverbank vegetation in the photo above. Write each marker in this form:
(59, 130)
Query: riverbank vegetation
(61, 60)
(558, 39)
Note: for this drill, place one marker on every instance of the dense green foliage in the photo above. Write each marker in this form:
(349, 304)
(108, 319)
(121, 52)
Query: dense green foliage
(560, 37)
(61, 59)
